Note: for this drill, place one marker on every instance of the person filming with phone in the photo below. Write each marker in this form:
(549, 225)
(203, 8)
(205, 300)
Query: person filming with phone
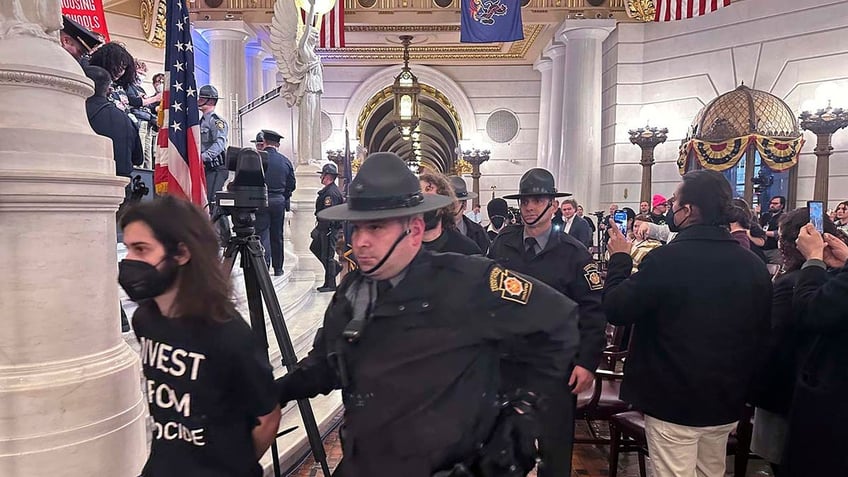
(701, 307)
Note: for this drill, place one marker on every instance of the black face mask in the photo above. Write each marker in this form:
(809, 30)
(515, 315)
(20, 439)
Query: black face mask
(431, 219)
(142, 280)
(672, 225)
(498, 221)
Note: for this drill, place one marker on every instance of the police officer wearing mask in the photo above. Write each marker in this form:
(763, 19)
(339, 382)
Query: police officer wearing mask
(279, 177)
(324, 234)
(562, 262)
(464, 225)
(417, 360)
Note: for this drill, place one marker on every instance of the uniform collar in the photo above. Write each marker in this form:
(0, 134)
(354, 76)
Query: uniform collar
(542, 240)
(704, 232)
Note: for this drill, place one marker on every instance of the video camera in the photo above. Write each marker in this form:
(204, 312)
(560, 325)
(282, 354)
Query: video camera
(247, 190)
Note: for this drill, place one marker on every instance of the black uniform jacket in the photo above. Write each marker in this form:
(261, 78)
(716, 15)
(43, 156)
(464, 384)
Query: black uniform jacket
(329, 196)
(817, 430)
(419, 386)
(565, 265)
(701, 307)
(452, 240)
(280, 174)
(477, 233)
(107, 120)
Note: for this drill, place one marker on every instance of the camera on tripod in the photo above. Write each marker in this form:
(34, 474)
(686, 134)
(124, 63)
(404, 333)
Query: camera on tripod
(247, 190)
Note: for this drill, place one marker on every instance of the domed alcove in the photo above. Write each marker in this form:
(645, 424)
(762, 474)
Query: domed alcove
(750, 136)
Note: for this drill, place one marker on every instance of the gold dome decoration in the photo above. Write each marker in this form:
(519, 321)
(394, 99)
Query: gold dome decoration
(744, 112)
(728, 126)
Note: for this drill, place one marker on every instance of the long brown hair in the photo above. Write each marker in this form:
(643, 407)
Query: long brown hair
(203, 287)
(443, 187)
(790, 226)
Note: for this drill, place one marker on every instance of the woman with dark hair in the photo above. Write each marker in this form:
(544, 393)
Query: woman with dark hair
(115, 59)
(441, 234)
(787, 343)
(208, 383)
(841, 213)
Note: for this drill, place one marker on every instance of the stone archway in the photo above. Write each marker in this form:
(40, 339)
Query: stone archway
(426, 75)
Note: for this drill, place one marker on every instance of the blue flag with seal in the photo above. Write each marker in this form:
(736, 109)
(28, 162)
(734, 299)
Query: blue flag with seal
(490, 21)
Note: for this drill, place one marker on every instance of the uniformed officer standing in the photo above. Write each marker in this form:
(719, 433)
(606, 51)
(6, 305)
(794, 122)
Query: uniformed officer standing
(464, 225)
(213, 149)
(279, 177)
(259, 142)
(562, 262)
(77, 40)
(413, 340)
(324, 234)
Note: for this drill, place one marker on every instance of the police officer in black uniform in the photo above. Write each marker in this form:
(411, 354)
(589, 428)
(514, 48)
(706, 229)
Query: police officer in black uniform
(414, 340)
(325, 233)
(466, 226)
(78, 40)
(562, 262)
(279, 177)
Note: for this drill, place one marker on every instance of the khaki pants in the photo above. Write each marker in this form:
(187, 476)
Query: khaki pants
(685, 451)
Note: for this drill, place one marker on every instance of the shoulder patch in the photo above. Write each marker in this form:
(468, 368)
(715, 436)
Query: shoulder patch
(328, 201)
(220, 123)
(593, 277)
(510, 287)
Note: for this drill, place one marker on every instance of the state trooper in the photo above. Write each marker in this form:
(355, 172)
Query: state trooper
(417, 361)
(213, 151)
(466, 226)
(325, 233)
(561, 261)
(279, 177)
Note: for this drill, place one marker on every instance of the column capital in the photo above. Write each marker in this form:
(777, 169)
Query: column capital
(585, 29)
(255, 49)
(543, 64)
(223, 30)
(554, 50)
(269, 63)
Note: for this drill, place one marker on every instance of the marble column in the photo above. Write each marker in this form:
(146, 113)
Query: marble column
(302, 216)
(580, 158)
(269, 74)
(255, 73)
(227, 69)
(70, 396)
(556, 52)
(543, 66)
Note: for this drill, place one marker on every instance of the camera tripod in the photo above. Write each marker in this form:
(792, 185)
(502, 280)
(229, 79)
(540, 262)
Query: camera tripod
(257, 282)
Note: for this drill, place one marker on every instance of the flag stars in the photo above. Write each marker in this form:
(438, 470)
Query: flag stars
(179, 46)
(177, 106)
(176, 126)
(180, 25)
(179, 66)
(190, 91)
(189, 47)
(178, 86)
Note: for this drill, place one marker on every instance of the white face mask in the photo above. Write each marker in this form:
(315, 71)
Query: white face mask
(142, 78)
(159, 88)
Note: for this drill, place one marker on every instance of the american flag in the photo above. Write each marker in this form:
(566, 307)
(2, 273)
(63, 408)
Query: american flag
(670, 10)
(179, 169)
(332, 28)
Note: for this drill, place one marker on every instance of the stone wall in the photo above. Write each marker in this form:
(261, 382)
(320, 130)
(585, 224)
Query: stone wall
(670, 71)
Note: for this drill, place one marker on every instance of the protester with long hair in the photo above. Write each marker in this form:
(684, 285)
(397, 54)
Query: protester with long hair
(441, 234)
(208, 383)
(787, 344)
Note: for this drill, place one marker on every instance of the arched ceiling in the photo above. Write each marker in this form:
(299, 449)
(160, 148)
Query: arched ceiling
(437, 134)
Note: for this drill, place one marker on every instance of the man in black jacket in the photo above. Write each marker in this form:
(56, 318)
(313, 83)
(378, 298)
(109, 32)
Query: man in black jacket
(323, 244)
(701, 307)
(574, 225)
(107, 120)
(464, 225)
(559, 260)
(279, 177)
(413, 339)
(770, 222)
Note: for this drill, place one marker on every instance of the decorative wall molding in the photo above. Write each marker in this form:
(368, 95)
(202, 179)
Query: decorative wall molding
(28, 78)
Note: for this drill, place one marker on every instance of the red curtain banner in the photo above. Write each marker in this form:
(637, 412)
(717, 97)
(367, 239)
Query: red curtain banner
(88, 13)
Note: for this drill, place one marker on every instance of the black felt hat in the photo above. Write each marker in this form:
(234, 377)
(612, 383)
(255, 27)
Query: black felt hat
(330, 169)
(271, 136)
(537, 182)
(80, 33)
(384, 188)
(460, 189)
(259, 138)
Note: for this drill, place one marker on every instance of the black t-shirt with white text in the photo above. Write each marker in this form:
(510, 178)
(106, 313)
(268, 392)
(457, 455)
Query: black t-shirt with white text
(205, 386)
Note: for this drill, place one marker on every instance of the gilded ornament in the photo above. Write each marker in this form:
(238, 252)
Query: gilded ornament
(462, 167)
(152, 14)
(642, 10)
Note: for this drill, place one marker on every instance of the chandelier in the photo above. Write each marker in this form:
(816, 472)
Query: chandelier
(406, 90)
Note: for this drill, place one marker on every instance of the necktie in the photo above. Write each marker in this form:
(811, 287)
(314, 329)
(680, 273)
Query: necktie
(529, 248)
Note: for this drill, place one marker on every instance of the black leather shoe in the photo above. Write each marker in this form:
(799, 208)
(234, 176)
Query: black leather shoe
(278, 273)
(326, 289)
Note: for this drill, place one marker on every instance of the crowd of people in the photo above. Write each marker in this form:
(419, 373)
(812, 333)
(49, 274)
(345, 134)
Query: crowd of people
(460, 351)
(461, 344)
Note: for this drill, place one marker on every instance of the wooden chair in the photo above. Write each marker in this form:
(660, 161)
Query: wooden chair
(601, 401)
(627, 434)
